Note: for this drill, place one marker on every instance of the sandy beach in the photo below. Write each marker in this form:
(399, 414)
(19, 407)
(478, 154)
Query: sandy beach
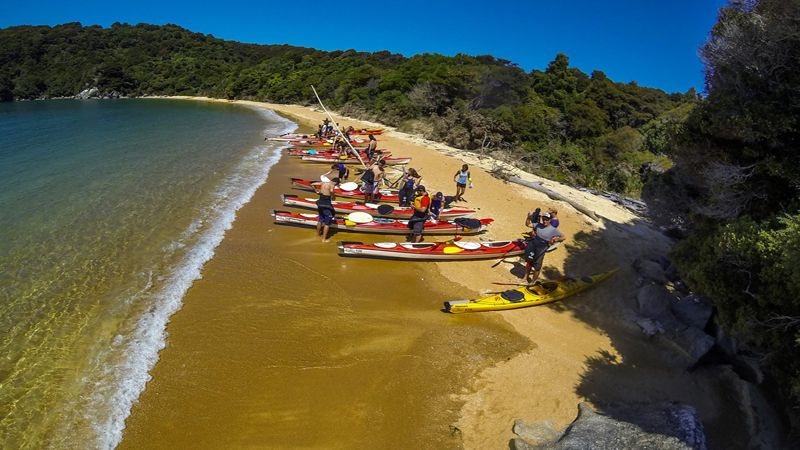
(241, 367)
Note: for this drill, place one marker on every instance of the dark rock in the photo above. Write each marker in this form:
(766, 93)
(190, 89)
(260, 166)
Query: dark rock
(649, 271)
(748, 369)
(724, 343)
(654, 300)
(693, 341)
(671, 272)
(659, 259)
(761, 421)
(662, 426)
(693, 310)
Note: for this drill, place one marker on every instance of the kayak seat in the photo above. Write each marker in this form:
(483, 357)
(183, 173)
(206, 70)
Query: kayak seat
(496, 244)
(418, 246)
(468, 245)
(512, 296)
(372, 205)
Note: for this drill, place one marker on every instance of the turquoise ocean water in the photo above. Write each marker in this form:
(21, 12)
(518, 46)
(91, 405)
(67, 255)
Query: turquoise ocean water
(108, 211)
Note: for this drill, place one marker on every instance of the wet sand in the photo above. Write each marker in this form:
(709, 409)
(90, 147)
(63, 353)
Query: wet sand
(284, 344)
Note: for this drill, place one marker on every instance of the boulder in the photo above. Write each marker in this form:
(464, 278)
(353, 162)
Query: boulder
(88, 93)
(653, 300)
(748, 369)
(693, 310)
(724, 343)
(537, 432)
(762, 423)
(661, 426)
(693, 341)
(671, 272)
(649, 271)
(659, 259)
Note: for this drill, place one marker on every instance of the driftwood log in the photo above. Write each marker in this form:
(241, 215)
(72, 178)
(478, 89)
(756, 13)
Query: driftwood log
(553, 195)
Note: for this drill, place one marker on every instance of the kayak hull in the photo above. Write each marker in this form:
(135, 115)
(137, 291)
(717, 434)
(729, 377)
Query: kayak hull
(382, 225)
(351, 207)
(433, 251)
(544, 292)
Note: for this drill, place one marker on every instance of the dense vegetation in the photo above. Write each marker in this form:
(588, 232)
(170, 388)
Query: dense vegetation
(736, 180)
(579, 128)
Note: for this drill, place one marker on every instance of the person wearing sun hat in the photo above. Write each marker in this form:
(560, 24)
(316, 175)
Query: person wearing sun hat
(543, 235)
(422, 203)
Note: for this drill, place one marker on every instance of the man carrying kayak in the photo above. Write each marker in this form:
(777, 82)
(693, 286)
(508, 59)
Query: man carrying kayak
(420, 215)
(372, 180)
(536, 246)
(325, 207)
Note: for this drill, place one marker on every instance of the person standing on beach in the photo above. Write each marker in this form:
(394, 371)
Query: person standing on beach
(419, 216)
(461, 178)
(536, 246)
(411, 180)
(373, 145)
(325, 207)
(372, 180)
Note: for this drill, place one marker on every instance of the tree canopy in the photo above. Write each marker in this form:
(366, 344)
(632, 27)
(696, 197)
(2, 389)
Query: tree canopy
(560, 122)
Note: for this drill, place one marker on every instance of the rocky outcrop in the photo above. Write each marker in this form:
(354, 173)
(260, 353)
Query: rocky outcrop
(678, 323)
(661, 426)
(93, 92)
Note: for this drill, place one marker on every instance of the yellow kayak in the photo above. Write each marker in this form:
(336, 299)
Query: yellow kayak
(544, 292)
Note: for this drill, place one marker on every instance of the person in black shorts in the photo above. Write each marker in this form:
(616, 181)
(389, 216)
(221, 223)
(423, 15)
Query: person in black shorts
(536, 246)
(325, 207)
(420, 215)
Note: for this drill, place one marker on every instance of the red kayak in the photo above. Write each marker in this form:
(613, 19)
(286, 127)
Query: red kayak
(450, 250)
(325, 143)
(328, 152)
(350, 159)
(383, 225)
(384, 195)
(376, 210)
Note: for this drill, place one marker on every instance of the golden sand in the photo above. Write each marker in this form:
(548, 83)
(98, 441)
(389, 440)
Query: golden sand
(284, 344)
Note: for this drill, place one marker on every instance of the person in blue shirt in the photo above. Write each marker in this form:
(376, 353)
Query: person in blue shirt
(553, 217)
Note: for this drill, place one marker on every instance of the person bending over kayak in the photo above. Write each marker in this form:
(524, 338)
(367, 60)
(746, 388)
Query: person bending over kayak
(420, 215)
(325, 207)
(536, 246)
(411, 180)
(372, 180)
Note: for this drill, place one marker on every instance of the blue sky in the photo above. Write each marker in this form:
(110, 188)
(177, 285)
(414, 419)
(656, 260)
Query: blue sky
(653, 43)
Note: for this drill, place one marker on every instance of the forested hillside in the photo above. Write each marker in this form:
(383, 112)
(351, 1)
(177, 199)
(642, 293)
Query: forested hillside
(736, 184)
(559, 122)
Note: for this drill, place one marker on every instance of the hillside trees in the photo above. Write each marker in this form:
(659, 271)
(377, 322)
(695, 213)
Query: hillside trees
(559, 122)
(737, 181)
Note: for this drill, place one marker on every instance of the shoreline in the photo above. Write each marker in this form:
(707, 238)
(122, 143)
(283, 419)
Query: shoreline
(579, 348)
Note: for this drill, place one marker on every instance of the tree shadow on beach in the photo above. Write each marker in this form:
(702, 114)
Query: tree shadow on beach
(640, 371)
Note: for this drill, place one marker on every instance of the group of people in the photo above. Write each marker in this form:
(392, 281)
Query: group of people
(326, 129)
(544, 227)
